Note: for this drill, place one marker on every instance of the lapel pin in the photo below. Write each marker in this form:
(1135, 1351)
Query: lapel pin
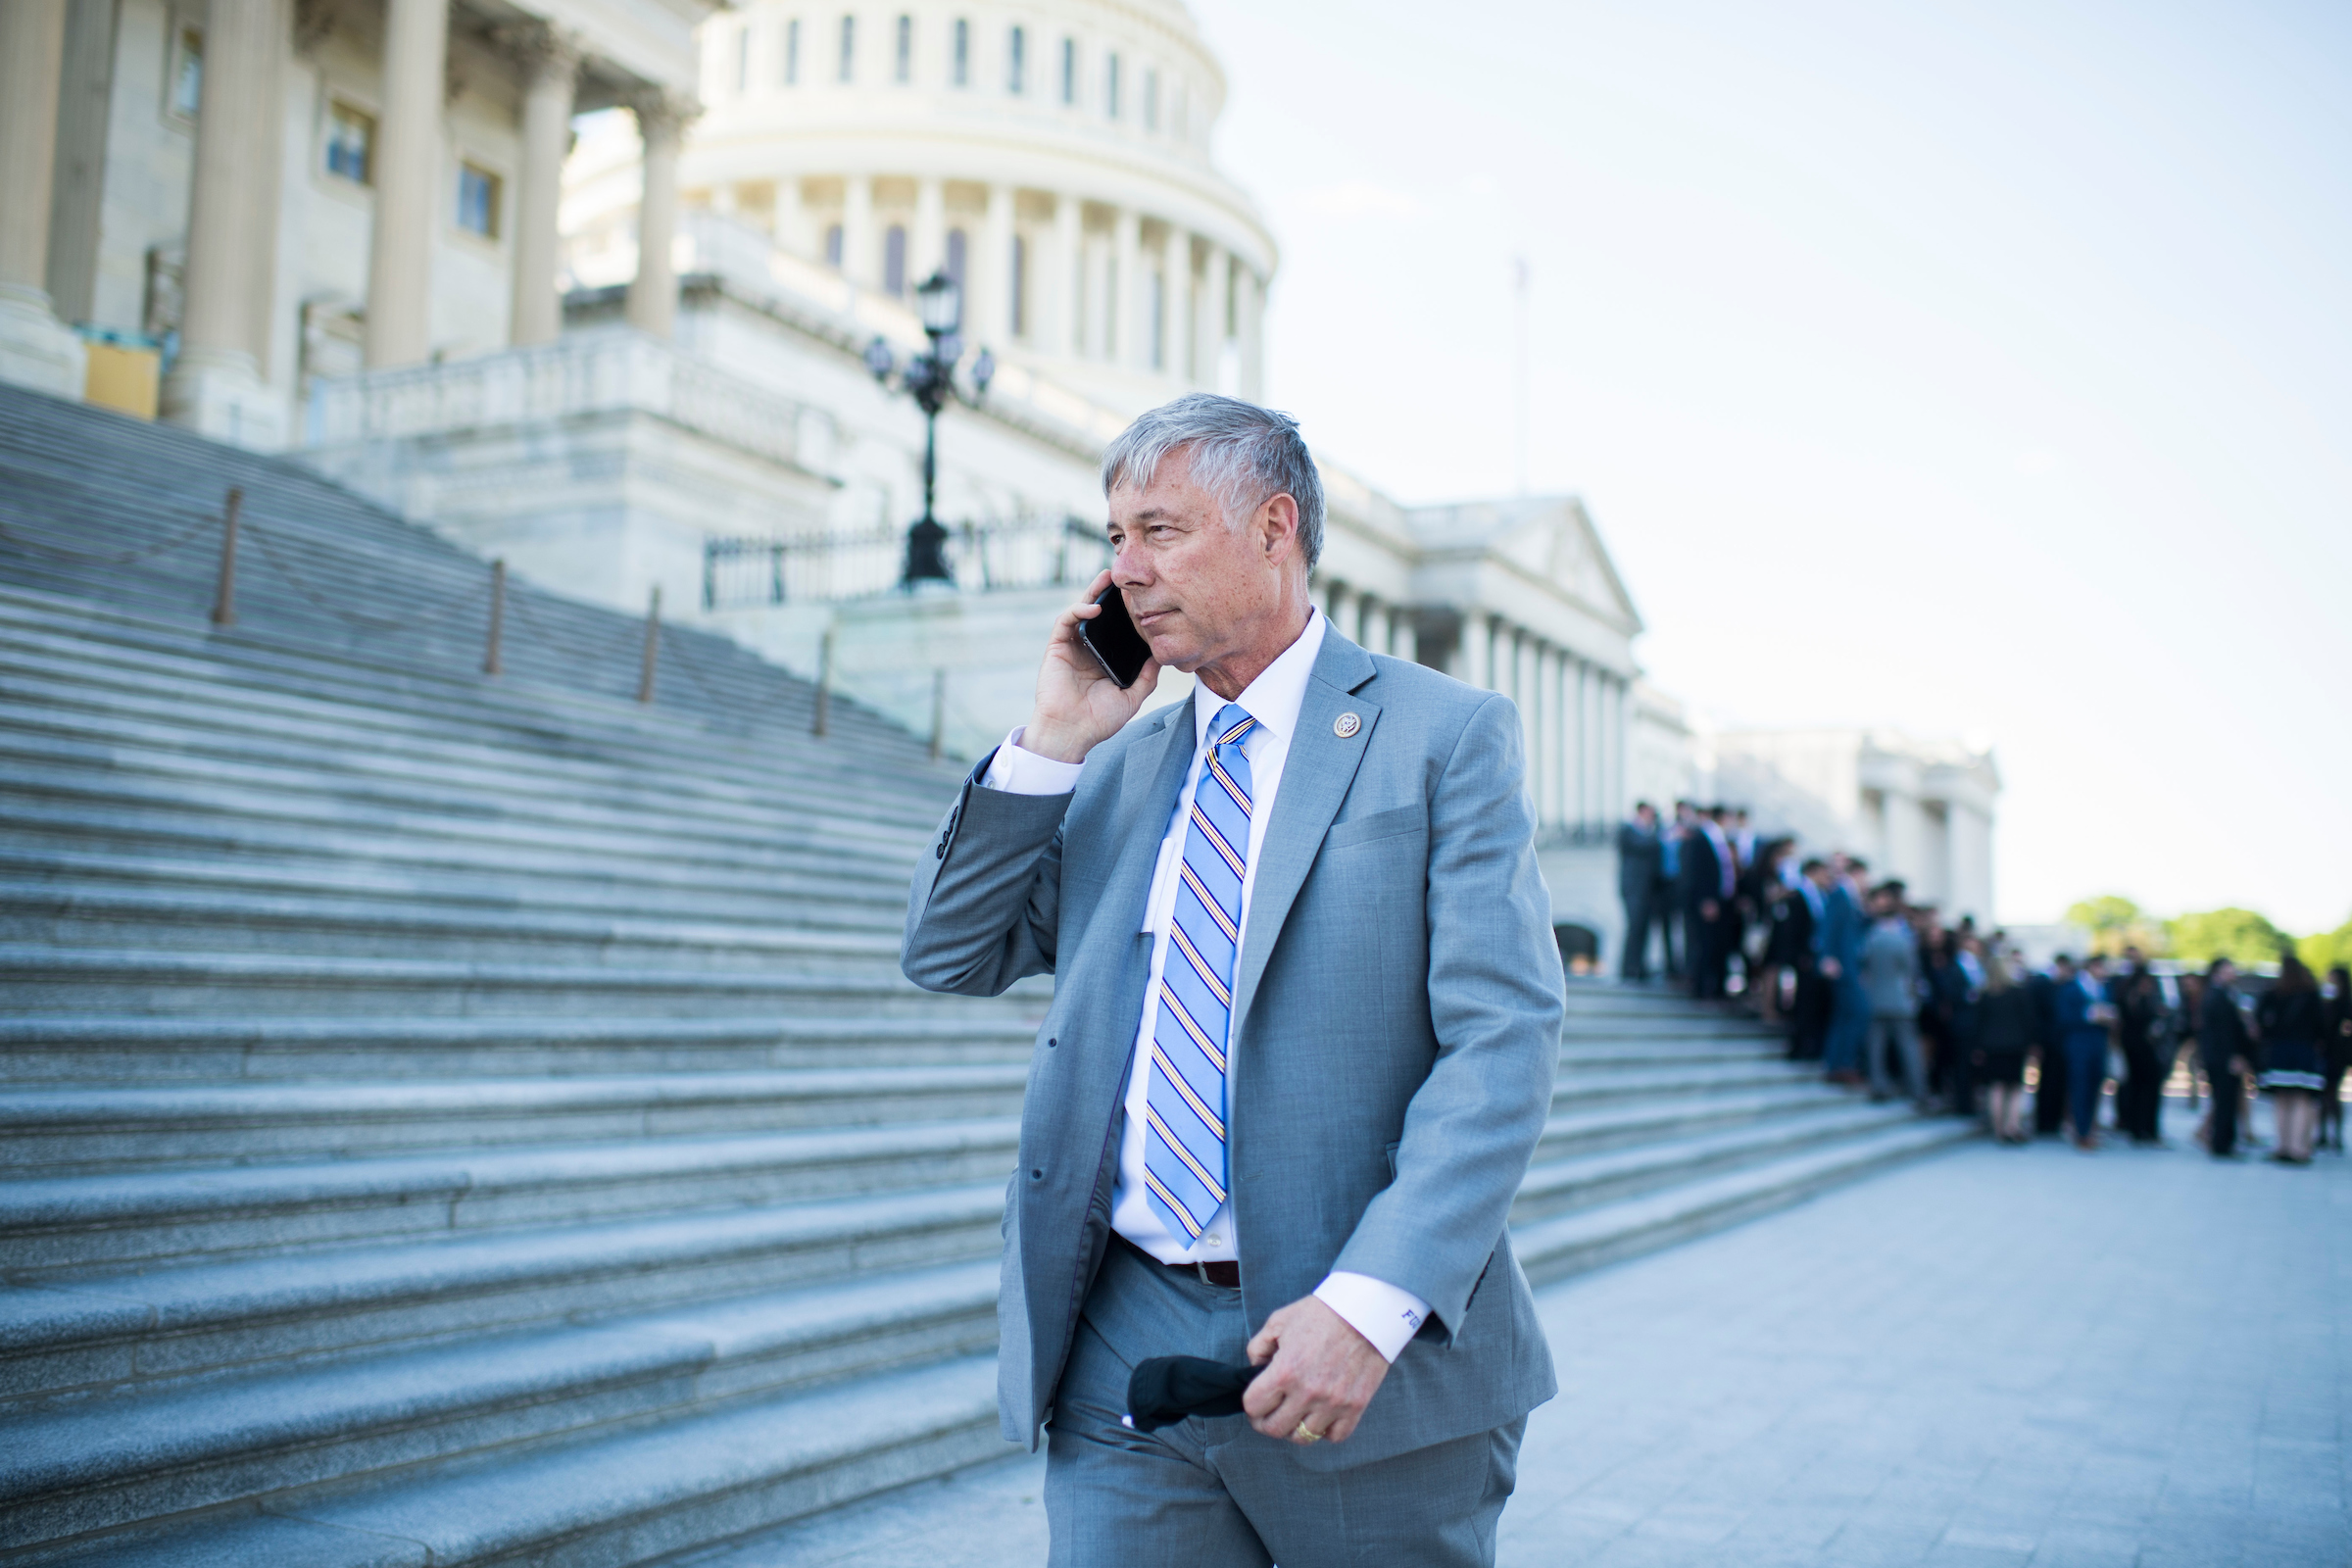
(1346, 725)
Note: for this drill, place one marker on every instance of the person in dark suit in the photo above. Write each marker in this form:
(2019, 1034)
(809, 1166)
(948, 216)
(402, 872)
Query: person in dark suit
(2140, 1030)
(2226, 1048)
(1799, 922)
(2335, 1046)
(1707, 877)
(2049, 1046)
(1838, 946)
(2292, 1072)
(1638, 857)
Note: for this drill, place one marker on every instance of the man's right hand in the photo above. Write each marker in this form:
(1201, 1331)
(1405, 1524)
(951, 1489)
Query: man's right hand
(1078, 706)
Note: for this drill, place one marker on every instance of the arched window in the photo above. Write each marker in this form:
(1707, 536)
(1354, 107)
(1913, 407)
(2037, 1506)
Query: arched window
(1019, 314)
(902, 67)
(955, 256)
(1017, 60)
(960, 62)
(1151, 100)
(1111, 85)
(792, 53)
(743, 59)
(894, 259)
(848, 48)
(1069, 70)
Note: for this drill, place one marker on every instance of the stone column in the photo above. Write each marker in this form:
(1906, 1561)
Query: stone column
(1216, 285)
(1335, 600)
(1057, 281)
(1130, 301)
(216, 383)
(653, 305)
(990, 308)
(927, 242)
(1176, 282)
(1559, 735)
(36, 350)
(407, 181)
(1251, 321)
(858, 231)
(551, 61)
(791, 230)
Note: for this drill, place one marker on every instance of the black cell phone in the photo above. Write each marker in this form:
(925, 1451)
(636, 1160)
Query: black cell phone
(1114, 642)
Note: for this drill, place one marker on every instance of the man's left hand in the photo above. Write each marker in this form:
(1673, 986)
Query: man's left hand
(1319, 1374)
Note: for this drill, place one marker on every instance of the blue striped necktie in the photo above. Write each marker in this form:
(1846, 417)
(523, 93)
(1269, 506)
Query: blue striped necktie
(1184, 1139)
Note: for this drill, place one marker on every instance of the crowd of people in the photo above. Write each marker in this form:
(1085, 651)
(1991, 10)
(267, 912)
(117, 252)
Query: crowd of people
(1892, 1002)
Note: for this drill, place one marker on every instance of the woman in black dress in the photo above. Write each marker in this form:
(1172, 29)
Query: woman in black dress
(2291, 1017)
(2336, 1054)
(2004, 1035)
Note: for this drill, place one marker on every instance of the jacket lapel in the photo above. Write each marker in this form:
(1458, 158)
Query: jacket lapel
(1315, 779)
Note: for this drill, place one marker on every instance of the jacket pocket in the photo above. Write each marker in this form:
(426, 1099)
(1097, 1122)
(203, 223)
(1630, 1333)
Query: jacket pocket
(1391, 823)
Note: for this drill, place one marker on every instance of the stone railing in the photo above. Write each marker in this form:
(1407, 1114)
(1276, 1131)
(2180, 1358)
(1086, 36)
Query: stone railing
(582, 374)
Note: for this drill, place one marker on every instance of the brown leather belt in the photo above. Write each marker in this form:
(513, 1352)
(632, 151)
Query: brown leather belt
(1224, 1276)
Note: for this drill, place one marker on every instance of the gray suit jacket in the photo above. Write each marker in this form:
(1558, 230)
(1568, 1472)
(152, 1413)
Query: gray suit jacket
(1396, 1021)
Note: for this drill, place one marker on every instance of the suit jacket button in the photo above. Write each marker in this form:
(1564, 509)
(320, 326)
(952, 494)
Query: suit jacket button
(1346, 725)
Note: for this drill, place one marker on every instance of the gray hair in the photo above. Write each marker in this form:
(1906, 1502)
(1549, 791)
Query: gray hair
(1241, 453)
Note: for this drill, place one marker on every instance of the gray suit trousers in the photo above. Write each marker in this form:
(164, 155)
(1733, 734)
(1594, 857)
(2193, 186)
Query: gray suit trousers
(1210, 1492)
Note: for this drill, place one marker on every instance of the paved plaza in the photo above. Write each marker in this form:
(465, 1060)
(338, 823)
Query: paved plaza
(1990, 1359)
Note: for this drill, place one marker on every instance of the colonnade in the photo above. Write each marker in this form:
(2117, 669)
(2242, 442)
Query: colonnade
(233, 216)
(1576, 712)
(1092, 279)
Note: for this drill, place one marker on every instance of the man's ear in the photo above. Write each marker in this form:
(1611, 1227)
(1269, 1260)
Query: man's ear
(1278, 522)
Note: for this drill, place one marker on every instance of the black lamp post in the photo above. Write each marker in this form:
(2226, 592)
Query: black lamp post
(930, 379)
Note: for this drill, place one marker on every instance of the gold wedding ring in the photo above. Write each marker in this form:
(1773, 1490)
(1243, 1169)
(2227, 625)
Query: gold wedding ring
(1306, 1434)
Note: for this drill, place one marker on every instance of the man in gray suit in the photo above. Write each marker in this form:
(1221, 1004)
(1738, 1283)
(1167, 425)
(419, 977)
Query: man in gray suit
(1307, 1012)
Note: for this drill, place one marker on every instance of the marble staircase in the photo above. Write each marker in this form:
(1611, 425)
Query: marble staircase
(476, 1120)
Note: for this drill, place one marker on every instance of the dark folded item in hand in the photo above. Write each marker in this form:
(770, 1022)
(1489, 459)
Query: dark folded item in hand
(1166, 1389)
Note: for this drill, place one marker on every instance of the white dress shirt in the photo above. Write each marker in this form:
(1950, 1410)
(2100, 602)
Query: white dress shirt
(1381, 1312)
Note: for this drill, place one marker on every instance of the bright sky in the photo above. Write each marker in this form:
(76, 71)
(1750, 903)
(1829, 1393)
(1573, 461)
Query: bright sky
(1982, 370)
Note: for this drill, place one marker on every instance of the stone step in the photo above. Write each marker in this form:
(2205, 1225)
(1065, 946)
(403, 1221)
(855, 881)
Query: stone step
(96, 1465)
(80, 1048)
(792, 900)
(628, 1499)
(110, 810)
(1613, 1124)
(1559, 1186)
(70, 1225)
(50, 841)
(82, 1129)
(235, 668)
(69, 915)
(87, 980)
(74, 1131)
(1592, 1238)
(188, 736)
(93, 1331)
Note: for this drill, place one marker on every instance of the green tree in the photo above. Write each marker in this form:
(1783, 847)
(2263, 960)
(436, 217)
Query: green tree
(2239, 935)
(2326, 949)
(2116, 923)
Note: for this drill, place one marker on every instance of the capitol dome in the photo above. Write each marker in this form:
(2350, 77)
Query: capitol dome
(1052, 155)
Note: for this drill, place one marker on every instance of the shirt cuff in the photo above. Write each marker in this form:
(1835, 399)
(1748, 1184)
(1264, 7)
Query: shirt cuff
(1381, 1312)
(1019, 772)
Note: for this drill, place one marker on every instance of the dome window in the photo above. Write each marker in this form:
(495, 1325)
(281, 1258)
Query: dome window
(849, 49)
(1069, 70)
(1111, 85)
(903, 65)
(1017, 60)
(959, 64)
(792, 53)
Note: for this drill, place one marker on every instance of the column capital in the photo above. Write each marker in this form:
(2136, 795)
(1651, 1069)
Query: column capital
(544, 52)
(662, 115)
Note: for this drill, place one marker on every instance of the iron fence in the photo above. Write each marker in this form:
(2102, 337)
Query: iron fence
(821, 568)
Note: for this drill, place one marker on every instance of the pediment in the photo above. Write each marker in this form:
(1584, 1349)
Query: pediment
(1548, 537)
